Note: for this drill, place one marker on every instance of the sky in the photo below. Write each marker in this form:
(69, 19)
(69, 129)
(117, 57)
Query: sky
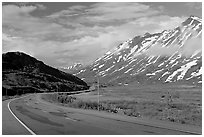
(64, 33)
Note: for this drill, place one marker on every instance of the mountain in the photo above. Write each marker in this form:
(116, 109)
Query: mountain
(171, 56)
(24, 73)
(72, 68)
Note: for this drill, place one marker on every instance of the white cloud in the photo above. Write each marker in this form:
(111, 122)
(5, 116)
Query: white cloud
(107, 12)
(41, 7)
(194, 5)
(72, 34)
(192, 45)
(13, 9)
(119, 11)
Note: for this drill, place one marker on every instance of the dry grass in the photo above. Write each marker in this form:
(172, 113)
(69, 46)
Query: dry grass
(181, 104)
(9, 97)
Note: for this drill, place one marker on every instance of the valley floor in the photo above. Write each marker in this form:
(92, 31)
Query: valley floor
(174, 103)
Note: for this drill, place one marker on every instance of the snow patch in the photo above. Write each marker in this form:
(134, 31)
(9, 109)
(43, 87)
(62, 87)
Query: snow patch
(119, 58)
(132, 50)
(128, 70)
(101, 66)
(152, 74)
(183, 71)
(161, 64)
(80, 71)
(121, 68)
(109, 68)
(195, 74)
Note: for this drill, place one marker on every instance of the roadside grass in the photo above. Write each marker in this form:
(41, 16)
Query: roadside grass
(9, 97)
(165, 109)
(175, 112)
(6, 98)
(69, 101)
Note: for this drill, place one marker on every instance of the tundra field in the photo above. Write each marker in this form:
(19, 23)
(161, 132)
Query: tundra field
(174, 103)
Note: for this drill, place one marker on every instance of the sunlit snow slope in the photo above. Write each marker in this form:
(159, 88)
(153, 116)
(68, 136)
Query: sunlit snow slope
(170, 56)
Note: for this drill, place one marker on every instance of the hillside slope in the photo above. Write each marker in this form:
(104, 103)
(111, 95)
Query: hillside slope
(23, 73)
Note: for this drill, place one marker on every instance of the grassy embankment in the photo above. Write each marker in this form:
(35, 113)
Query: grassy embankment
(7, 97)
(176, 104)
(10, 97)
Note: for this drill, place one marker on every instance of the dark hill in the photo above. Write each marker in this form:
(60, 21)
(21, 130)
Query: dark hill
(23, 73)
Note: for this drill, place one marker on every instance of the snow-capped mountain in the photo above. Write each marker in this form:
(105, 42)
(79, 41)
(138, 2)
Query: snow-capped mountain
(72, 68)
(170, 56)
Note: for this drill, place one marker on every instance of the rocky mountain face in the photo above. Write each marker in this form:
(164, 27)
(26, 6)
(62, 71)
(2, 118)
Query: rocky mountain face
(172, 56)
(23, 73)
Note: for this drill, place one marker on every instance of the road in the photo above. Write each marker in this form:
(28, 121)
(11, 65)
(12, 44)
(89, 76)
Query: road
(44, 118)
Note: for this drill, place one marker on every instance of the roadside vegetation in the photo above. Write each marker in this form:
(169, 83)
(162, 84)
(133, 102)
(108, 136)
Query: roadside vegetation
(10, 97)
(7, 97)
(167, 108)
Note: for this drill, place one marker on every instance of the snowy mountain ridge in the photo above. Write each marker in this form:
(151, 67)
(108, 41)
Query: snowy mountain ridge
(170, 56)
(71, 68)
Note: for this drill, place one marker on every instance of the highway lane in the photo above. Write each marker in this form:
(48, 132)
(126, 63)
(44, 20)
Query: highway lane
(10, 126)
(44, 118)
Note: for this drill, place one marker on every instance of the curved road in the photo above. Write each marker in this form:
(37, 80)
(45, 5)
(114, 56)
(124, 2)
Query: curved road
(44, 118)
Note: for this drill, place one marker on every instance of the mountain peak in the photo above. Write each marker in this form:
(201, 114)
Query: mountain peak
(147, 34)
(170, 56)
(192, 20)
(71, 68)
(17, 53)
(195, 18)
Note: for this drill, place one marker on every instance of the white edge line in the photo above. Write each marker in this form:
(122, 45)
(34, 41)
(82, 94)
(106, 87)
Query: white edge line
(19, 119)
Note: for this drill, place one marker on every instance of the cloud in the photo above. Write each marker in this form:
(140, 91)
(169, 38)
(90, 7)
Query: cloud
(15, 10)
(190, 47)
(41, 7)
(19, 20)
(153, 24)
(70, 35)
(106, 12)
(194, 5)
(193, 45)
(158, 50)
(119, 11)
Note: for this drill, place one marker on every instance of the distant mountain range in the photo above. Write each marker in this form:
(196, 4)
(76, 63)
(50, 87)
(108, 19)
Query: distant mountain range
(172, 56)
(71, 69)
(23, 73)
